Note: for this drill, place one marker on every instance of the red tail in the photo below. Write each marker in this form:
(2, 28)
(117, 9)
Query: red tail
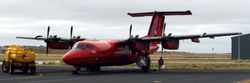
(157, 24)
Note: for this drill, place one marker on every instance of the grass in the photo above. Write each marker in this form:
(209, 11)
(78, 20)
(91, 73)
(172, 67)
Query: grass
(50, 57)
(244, 81)
(173, 60)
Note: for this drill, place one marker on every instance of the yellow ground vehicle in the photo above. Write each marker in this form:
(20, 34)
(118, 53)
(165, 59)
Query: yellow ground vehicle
(18, 58)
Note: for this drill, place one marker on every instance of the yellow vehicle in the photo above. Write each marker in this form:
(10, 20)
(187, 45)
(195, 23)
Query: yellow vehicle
(18, 58)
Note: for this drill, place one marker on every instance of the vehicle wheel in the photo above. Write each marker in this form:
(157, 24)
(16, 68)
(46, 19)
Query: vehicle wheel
(5, 67)
(32, 70)
(12, 67)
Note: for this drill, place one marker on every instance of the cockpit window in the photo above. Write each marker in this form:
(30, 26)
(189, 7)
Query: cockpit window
(78, 46)
(84, 46)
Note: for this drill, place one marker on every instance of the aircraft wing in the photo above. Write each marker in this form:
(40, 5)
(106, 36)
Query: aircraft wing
(34, 38)
(204, 35)
(192, 37)
(52, 38)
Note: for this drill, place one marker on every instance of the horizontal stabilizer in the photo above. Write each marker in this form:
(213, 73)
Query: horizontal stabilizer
(168, 13)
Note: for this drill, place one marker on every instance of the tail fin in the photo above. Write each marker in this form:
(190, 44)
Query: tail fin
(157, 24)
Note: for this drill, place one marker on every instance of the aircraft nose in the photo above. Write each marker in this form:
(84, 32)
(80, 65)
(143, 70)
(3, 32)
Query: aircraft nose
(72, 58)
(66, 58)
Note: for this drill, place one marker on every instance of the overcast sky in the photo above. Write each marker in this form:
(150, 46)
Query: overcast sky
(108, 19)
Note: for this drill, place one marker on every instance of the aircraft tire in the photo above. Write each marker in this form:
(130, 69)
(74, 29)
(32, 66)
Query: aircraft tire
(98, 68)
(95, 68)
(146, 68)
(76, 70)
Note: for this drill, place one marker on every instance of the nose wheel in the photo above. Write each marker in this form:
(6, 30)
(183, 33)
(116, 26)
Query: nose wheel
(76, 70)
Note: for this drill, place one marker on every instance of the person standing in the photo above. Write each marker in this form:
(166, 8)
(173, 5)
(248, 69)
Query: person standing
(160, 63)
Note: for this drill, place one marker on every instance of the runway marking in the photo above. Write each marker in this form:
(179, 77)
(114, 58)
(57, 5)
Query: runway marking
(28, 77)
(156, 81)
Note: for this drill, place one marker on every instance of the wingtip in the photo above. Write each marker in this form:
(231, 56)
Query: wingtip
(189, 12)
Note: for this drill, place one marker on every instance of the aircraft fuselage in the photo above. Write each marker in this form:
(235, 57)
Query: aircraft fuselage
(101, 53)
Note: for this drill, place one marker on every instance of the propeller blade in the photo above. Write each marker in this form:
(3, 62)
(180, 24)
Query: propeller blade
(47, 49)
(161, 51)
(48, 31)
(71, 32)
(163, 31)
(130, 30)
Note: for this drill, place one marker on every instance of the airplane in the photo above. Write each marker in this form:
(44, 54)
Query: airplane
(91, 55)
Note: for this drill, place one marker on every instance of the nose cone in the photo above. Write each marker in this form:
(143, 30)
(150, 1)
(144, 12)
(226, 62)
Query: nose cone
(73, 58)
(66, 58)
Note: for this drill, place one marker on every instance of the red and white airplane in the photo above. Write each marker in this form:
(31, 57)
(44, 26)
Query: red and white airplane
(92, 54)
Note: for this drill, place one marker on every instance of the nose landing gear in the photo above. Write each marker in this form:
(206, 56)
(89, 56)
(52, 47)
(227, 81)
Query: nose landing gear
(77, 69)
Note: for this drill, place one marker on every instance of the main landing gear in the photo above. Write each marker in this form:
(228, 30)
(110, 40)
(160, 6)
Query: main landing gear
(145, 68)
(144, 64)
(77, 69)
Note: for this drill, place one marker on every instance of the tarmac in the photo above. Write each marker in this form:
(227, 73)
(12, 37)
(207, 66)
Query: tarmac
(62, 74)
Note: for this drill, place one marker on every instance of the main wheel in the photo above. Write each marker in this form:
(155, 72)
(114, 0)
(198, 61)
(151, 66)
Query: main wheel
(146, 67)
(12, 67)
(5, 67)
(98, 68)
(94, 68)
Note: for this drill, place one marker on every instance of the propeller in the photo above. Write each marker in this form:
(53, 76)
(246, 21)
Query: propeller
(71, 37)
(50, 38)
(71, 32)
(163, 37)
(130, 38)
(161, 51)
(164, 27)
(130, 31)
(48, 32)
(47, 48)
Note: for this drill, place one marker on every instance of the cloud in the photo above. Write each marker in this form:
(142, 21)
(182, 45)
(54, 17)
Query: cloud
(104, 19)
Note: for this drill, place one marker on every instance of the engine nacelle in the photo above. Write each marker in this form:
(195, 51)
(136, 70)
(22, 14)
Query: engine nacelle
(58, 45)
(171, 44)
